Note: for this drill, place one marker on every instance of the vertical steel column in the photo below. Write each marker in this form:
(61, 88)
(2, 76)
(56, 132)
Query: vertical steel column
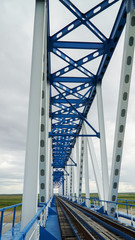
(81, 166)
(52, 190)
(66, 183)
(104, 165)
(71, 183)
(95, 166)
(50, 162)
(66, 186)
(86, 172)
(30, 190)
(63, 185)
(73, 177)
(48, 140)
(43, 167)
(73, 198)
(60, 189)
(77, 168)
(122, 107)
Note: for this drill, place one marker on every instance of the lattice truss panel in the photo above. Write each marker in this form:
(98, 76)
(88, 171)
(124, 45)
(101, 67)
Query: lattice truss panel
(78, 55)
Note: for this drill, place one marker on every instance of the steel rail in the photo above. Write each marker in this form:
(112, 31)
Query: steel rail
(75, 224)
(107, 222)
(127, 230)
(98, 232)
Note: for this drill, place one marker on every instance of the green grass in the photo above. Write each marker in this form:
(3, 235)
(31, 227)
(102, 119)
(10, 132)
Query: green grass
(122, 196)
(8, 200)
(129, 196)
(126, 196)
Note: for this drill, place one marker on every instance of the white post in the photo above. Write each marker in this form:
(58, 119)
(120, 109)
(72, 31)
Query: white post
(104, 165)
(43, 176)
(71, 178)
(50, 162)
(52, 190)
(95, 166)
(30, 190)
(81, 167)
(77, 169)
(60, 190)
(64, 184)
(126, 71)
(48, 140)
(66, 168)
(68, 181)
(86, 173)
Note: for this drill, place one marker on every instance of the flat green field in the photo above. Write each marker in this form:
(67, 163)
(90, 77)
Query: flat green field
(8, 200)
(129, 196)
(121, 196)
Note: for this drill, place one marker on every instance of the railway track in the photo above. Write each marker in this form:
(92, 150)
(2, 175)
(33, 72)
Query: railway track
(88, 224)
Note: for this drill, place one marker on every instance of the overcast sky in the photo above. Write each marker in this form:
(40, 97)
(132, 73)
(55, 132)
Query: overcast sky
(16, 28)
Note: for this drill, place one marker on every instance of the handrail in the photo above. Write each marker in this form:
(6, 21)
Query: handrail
(26, 229)
(2, 210)
(23, 233)
(127, 204)
(12, 206)
(100, 200)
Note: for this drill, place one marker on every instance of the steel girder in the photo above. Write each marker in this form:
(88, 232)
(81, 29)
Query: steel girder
(69, 106)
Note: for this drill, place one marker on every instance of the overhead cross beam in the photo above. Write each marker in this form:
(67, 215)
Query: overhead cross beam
(70, 105)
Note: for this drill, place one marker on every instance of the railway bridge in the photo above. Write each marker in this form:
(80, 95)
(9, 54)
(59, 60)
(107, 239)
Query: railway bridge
(73, 47)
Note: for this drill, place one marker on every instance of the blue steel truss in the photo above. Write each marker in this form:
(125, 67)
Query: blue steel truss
(69, 106)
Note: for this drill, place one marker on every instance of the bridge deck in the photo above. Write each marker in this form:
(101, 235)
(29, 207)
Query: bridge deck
(9, 235)
(52, 228)
(59, 226)
(90, 224)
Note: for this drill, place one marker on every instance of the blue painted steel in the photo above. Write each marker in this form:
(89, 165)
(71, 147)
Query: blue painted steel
(2, 210)
(9, 236)
(113, 229)
(72, 80)
(73, 135)
(13, 224)
(44, 234)
(52, 228)
(130, 5)
(76, 45)
(70, 104)
(1, 223)
(26, 229)
(9, 207)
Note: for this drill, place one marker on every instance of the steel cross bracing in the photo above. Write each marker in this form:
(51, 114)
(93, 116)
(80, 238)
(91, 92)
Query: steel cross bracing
(69, 106)
(61, 96)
